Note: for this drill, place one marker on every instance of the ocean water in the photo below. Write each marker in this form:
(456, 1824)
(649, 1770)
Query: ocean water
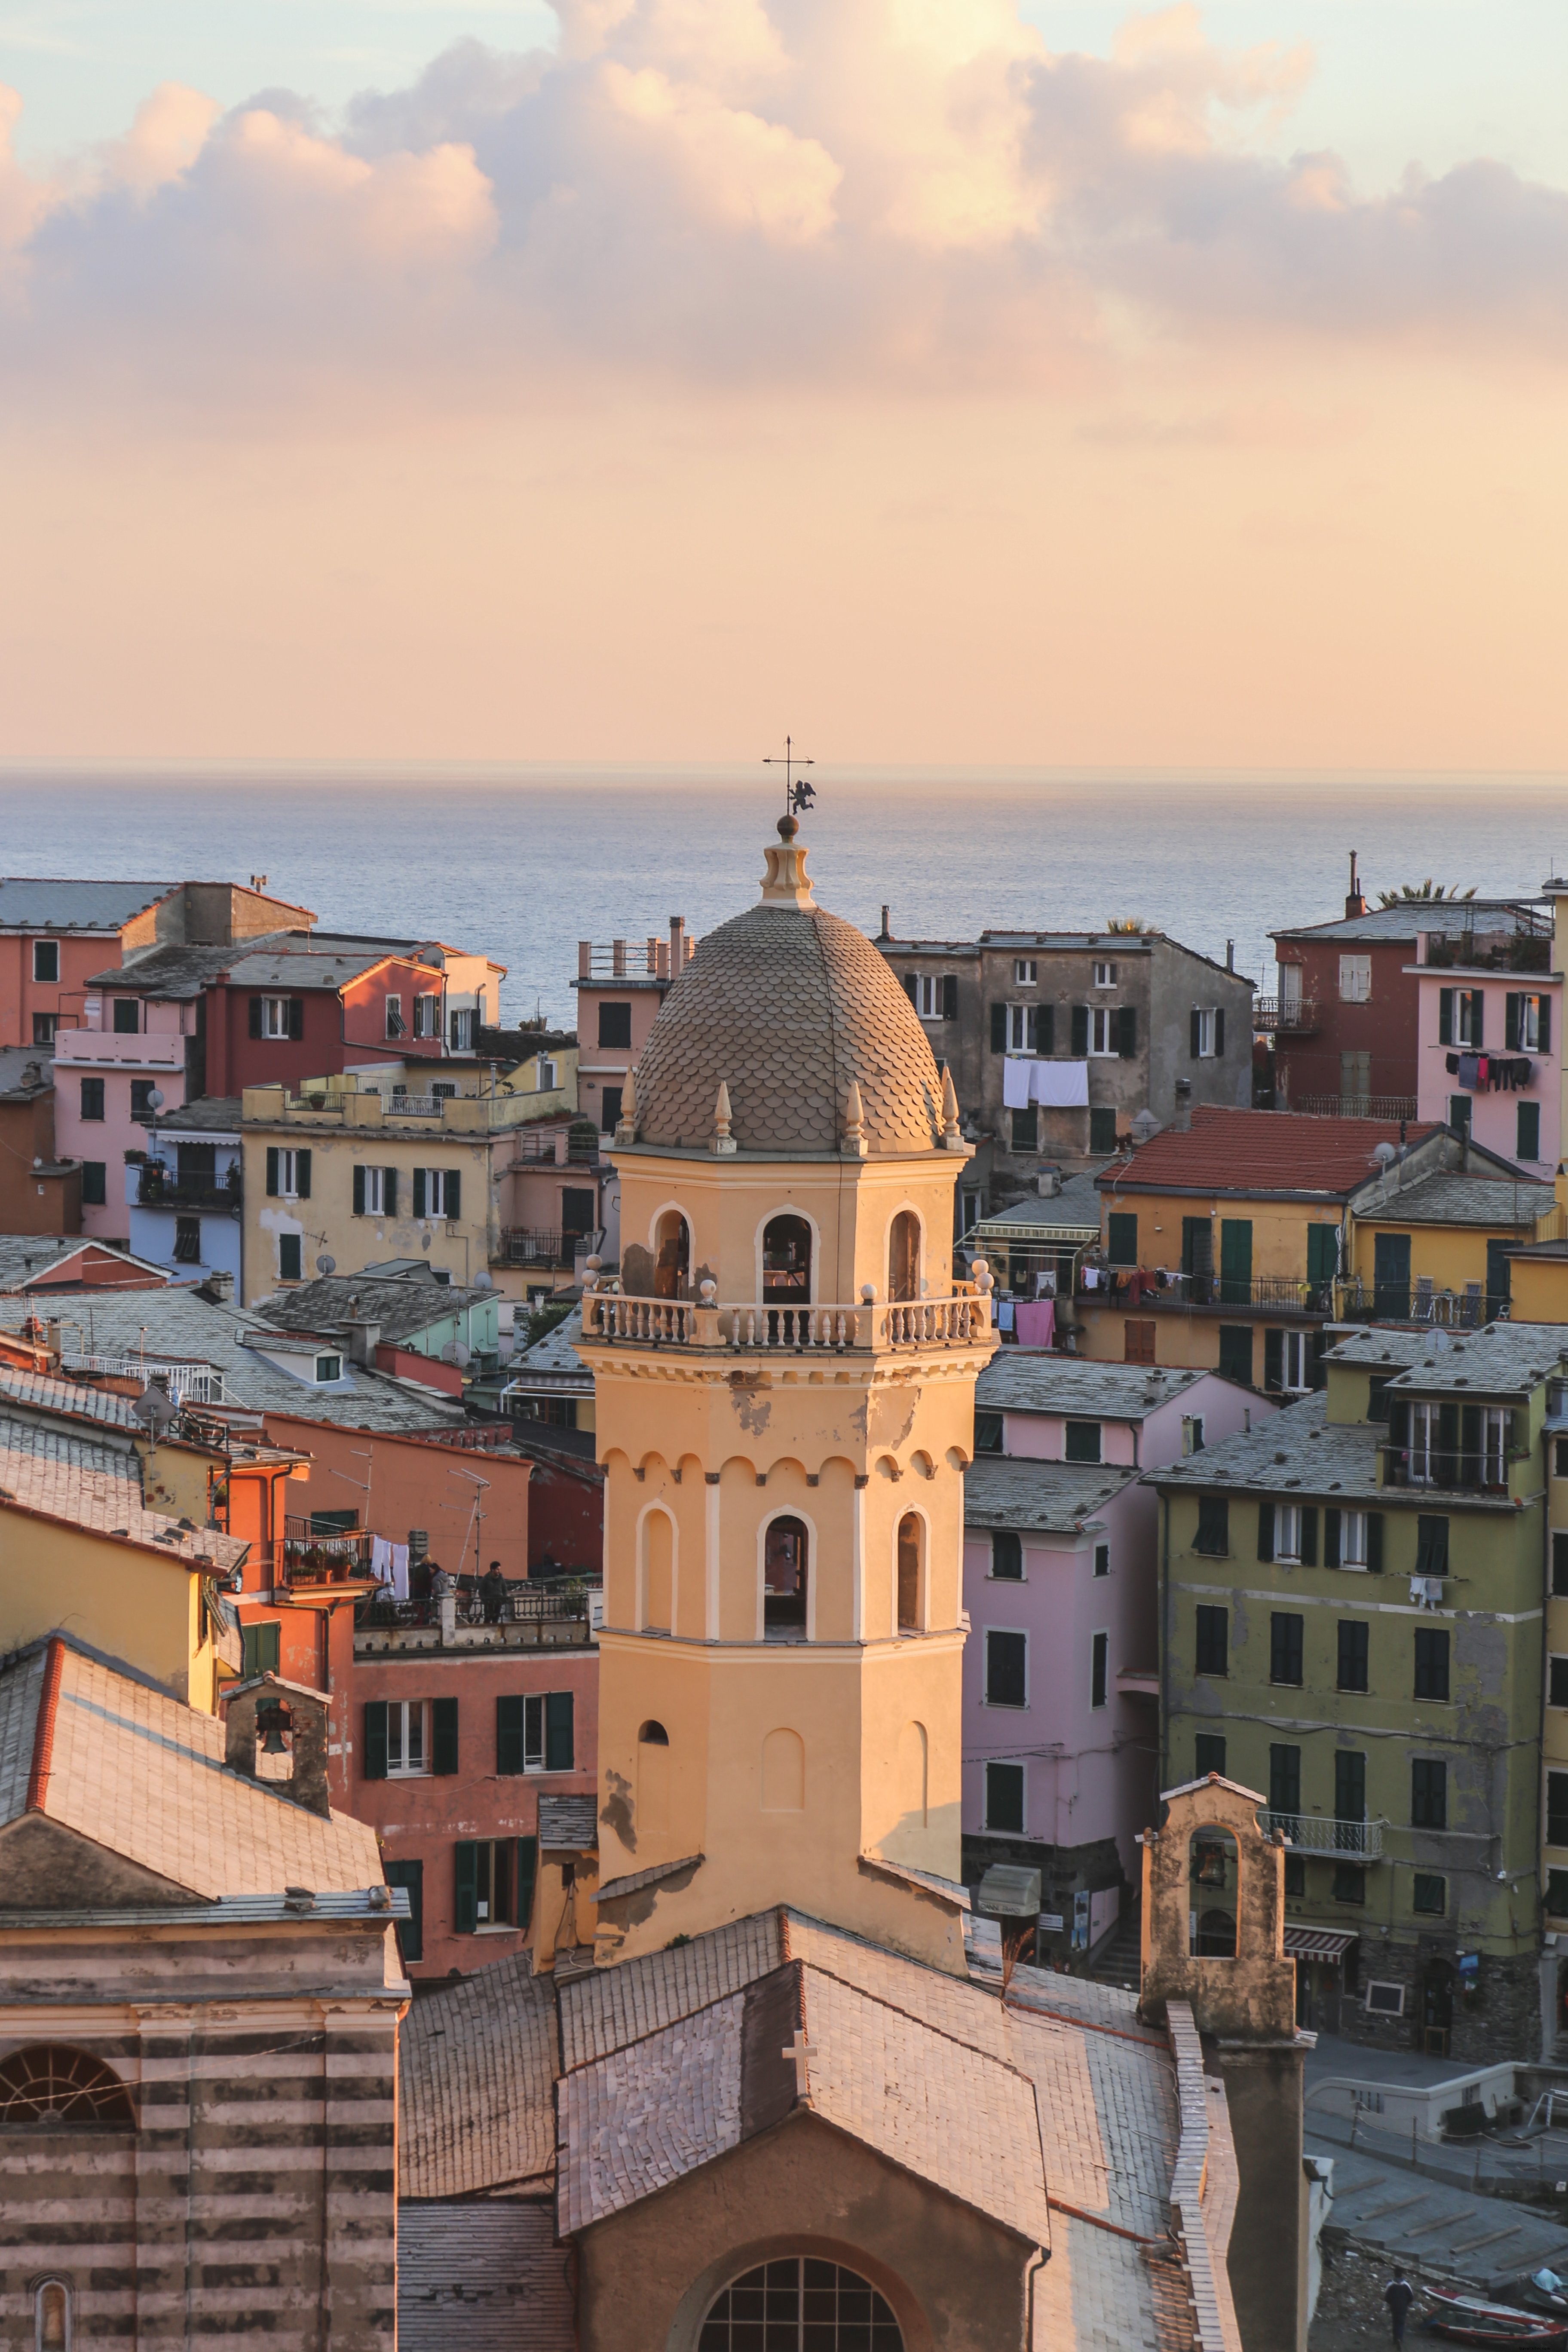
(522, 863)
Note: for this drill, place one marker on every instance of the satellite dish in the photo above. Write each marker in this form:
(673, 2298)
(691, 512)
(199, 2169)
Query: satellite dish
(154, 1407)
(454, 1353)
(484, 1279)
(156, 1097)
(325, 1265)
(1385, 1154)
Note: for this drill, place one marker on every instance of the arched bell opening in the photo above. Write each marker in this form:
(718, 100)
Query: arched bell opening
(787, 1568)
(904, 1257)
(672, 1256)
(786, 1262)
(1215, 1877)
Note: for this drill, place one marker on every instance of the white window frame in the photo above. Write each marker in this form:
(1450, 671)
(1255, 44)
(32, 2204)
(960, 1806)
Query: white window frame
(1026, 971)
(547, 1080)
(1495, 1433)
(375, 1191)
(427, 1014)
(1287, 1533)
(1465, 1002)
(1102, 1552)
(1296, 1346)
(1352, 1541)
(435, 1192)
(462, 1024)
(1017, 1028)
(986, 1700)
(1104, 975)
(328, 1371)
(405, 1713)
(485, 1875)
(1005, 1764)
(1393, 2006)
(1206, 1032)
(1103, 1024)
(533, 1730)
(287, 1173)
(1355, 979)
(275, 1017)
(1529, 1025)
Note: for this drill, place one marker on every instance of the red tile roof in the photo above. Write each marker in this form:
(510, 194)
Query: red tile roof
(1258, 1152)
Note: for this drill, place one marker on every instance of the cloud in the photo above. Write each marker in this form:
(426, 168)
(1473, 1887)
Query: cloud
(914, 194)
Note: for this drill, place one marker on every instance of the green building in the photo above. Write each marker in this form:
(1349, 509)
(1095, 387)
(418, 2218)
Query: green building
(1351, 1623)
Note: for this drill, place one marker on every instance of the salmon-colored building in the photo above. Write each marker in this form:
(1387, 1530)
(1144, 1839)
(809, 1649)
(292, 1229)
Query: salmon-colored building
(39, 1193)
(468, 1494)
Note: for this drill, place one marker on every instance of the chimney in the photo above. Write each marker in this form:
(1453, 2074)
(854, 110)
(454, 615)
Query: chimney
(677, 945)
(362, 1338)
(884, 933)
(1355, 904)
(1184, 1106)
(1230, 955)
(217, 1289)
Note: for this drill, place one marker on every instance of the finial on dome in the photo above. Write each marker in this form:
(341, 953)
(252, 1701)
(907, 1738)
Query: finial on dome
(626, 1124)
(952, 1139)
(854, 1145)
(722, 1144)
(786, 882)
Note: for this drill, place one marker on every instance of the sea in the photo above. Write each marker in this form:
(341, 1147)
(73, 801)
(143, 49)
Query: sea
(522, 862)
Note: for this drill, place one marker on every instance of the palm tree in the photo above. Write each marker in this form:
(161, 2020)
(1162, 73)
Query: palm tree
(1429, 893)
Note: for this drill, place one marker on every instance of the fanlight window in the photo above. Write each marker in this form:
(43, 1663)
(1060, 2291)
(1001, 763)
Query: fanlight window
(1214, 1875)
(47, 2085)
(800, 2304)
(786, 1262)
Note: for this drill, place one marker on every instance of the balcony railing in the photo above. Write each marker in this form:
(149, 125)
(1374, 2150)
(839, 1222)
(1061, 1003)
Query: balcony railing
(186, 1383)
(644, 959)
(1320, 1833)
(306, 1557)
(157, 1190)
(416, 1106)
(1277, 1294)
(1451, 1468)
(961, 1320)
(1295, 1015)
(516, 1247)
(1387, 1108)
(521, 1606)
(1420, 1301)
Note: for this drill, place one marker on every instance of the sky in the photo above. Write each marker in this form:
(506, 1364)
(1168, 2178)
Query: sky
(954, 382)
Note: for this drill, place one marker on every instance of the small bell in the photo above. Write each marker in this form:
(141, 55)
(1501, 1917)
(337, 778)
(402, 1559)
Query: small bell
(273, 1743)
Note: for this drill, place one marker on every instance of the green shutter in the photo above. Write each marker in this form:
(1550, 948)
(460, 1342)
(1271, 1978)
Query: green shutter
(1544, 1027)
(1511, 1011)
(527, 1876)
(271, 1172)
(359, 1191)
(1079, 1032)
(1322, 1252)
(509, 1734)
(1194, 1036)
(998, 1028)
(255, 1017)
(375, 1740)
(466, 1902)
(558, 1743)
(1375, 1542)
(443, 1734)
(1236, 1261)
(1265, 1531)
(1310, 1537)
(1045, 1029)
(1273, 1361)
(389, 1192)
(1122, 1236)
(911, 989)
(949, 996)
(1445, 1016)
(420, 1191)
(454, 1193)
(1127, 1045)
(1330, 1538)
(296, 1018)
(1219, 1033)
(1478, 1018)
(1528, 1139)
(303, 1175)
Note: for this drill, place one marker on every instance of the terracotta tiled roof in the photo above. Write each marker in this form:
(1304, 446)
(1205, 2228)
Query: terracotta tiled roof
(1258, 1151)
(785, 1005)
(134, 1770)
(475, 2068)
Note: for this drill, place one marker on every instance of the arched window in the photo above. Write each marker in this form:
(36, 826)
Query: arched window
(653, 1734)
(910, 1533)
(49, 2084)
(52, 2317)
(672, 1256)
(786, 1564)
(1214, 1873)
(800, 2304)
(653, 1778)
(904, 1256)
(786, 1262)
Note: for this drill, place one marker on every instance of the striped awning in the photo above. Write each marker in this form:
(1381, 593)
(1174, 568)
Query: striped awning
(1317, 1943)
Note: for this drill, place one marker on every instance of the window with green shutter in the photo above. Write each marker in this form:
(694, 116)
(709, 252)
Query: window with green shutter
(1429, 1793)
(558, 1732)
(420, 1191)
(1213, 1646)
(1236, 1261)
(1265, 1531)
(1235, 1353)
(1354, 1638)
(1209, 1755)
(1101, 1131)
(1284, 1779)
(1127, 1033)
(1375, 1542)
(271, 1170)
(1273, 1362)
(410, 1876)
(258, 1649)
(374, 1759)
(1527, 1141)
(291, 1258)
(1213, 1526)
(465, 1889)
(1080, 1033)
(1121, 1237)
(510, 1720)
(1322, 1252)
(1350, 1785)
(359, 1191)
(443, 1734)
(998, 1028)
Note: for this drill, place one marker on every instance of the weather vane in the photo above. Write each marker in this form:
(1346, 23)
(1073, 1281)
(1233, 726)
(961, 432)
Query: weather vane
(798, 794)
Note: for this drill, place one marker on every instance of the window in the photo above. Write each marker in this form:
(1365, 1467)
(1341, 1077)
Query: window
(1235, 1353)
(327, 1369)
(1527, 1139)
(92, 1098)
(1103, 1560)
(94, 1183)
(1192, 1433)
(1101, 1131)
(1285, 1649)
(786, 1262)
(1527, 1023)
(1431, 1546)
(440, 1737)
(577, 1207)
(785, 1572)
(142, 1105)
(904, 1256)
(395, 1025)
(1294, 1540)
(1350, 1885)
(258, 1646)
(1209, 1755)
(806, 2302)
(547, 1078)
(50, 2083)
(1206, 1040)
(1461, 1017)
(1121, 1237)
(1025, 1129)
(1353, 1663)
(1557, 1808)
(461, 1031)
(1005, 1798)
(287, 1174)
(1213, 1526)
(1285, 1784)
(1007, 1669)
(1432, 1663)
(291, 1267)
(1556, 1681)
(1295, 1875)
(52, 2317)
(614, 1024)
(1007, 1557)
(407, 1738)
(187, 1241)
(1137, 1341)
(1020, 1028)
(1459, 1108)
(1557, 1893)
(930, 994)
(1296, 1360)
(410, 1876)
(375, 1191)
(535, 1732)
(988, 1432)
(1098, 1668)
(1345, 1539)
(284, 1016)
(1104, 975)
(1560, 1556)
(44, 1027)
(437, 1193)
(127, 1016)
(1214, 1870)
(1212, 1641)
(426, 1016)
(1026, 971)
(908, 1573)
(1104, 1030)
(46, 959)
(1428, 1794)
(1356, 978)
(1429, 1894)
(1081, 1441)
(488, 1885)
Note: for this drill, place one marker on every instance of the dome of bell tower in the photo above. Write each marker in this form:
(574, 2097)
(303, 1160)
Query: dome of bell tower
(786, 1005)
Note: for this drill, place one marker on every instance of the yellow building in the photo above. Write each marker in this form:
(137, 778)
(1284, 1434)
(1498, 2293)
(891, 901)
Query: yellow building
(784, 1380)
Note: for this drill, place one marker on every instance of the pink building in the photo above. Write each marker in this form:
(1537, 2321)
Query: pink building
(1061, 1687)
(1489, 1039)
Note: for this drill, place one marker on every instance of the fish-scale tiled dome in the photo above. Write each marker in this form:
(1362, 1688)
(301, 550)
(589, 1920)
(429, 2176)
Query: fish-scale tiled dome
(785, 1004)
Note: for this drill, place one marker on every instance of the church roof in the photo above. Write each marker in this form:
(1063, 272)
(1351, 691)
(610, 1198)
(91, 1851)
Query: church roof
(785, 1006)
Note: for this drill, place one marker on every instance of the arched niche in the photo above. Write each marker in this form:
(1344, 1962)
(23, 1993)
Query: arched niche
(914, 1777)
(786, 1577)
(656, 1570)
(784, 1772)
(1214, 1878)
(910, 1585)
(653, 1777)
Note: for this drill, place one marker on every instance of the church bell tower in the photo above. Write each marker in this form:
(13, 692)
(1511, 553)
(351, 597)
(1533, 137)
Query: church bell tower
(784, 1375)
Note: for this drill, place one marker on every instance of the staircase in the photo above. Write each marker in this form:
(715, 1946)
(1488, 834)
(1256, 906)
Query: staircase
(1119, 1960)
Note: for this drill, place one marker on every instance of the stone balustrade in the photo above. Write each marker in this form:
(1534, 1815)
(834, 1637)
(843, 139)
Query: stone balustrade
(963, 1320)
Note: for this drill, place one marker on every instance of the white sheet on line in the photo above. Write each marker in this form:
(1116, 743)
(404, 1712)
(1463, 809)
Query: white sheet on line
(1063, 1086)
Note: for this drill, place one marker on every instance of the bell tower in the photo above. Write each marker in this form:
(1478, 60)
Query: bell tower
(784, 1375)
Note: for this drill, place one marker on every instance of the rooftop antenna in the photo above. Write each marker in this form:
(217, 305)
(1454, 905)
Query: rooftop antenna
(799, 796)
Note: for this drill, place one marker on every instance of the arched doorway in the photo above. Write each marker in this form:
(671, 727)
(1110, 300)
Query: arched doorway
(800, 2304)
(786, 1262)
(672, 1256)
(786, 1565)
(1437, 2008)
(1214, 1874)
(910, 1532)
(904, 1256)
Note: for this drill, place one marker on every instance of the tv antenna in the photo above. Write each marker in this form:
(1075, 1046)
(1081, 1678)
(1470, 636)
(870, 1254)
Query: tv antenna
(797, 795)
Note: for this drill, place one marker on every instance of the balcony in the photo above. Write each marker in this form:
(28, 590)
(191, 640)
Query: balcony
(157, 1188)
(306, 1557)
(645, 959)
(1288, 1017)
(550, 1613)
(960, 1321)
(1388, 1108)
(1419, 1302)
(1450, 1468)
(1134, 1289)
(1320, 1833)
(516, 1247)
(184, 1384)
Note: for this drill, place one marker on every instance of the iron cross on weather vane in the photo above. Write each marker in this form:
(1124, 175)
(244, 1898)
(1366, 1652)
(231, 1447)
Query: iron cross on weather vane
(798, 795)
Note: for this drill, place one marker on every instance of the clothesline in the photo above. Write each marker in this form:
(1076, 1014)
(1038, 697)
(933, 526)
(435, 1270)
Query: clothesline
(1058, 1086)
(1491, 1073)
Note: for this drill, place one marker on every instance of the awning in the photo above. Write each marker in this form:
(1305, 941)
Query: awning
(1317, 1943)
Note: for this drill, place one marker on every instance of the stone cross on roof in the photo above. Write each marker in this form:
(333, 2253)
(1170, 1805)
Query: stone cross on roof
(798, 2048)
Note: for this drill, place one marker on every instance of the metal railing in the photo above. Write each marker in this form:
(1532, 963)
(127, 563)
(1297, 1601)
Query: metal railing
(306, 1557)
(186, 1383)
(644, 959)
(416, 1106)
(1320, 1833)
(1282, 1293)
(1384, 1107)
(1285, 1013)
(155, 1189)
(516, 1245)
(1419, 1301)
(958, 1321)
(1484, 1472)
(520, 1607)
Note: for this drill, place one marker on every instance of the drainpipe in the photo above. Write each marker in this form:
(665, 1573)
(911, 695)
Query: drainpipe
(1549, 1999)
(1164, 1504)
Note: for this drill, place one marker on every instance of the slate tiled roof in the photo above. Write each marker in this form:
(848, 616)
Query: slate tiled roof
(83, 1482)
(134, 1772)
(175, 974)
(26, 1257)
(483, 2277)
(1448, 917)
(1074, 1209)
(605, 2011)
(785, 1006)
(1258, 1152)
(1051, 1497)
(42, 1393)
(1022, 1380)
(555, 1359)
(569, 1824)
(209, 1115)
(1447, 1198)
(31, 902)
(476, 2073)
(404, 1306)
